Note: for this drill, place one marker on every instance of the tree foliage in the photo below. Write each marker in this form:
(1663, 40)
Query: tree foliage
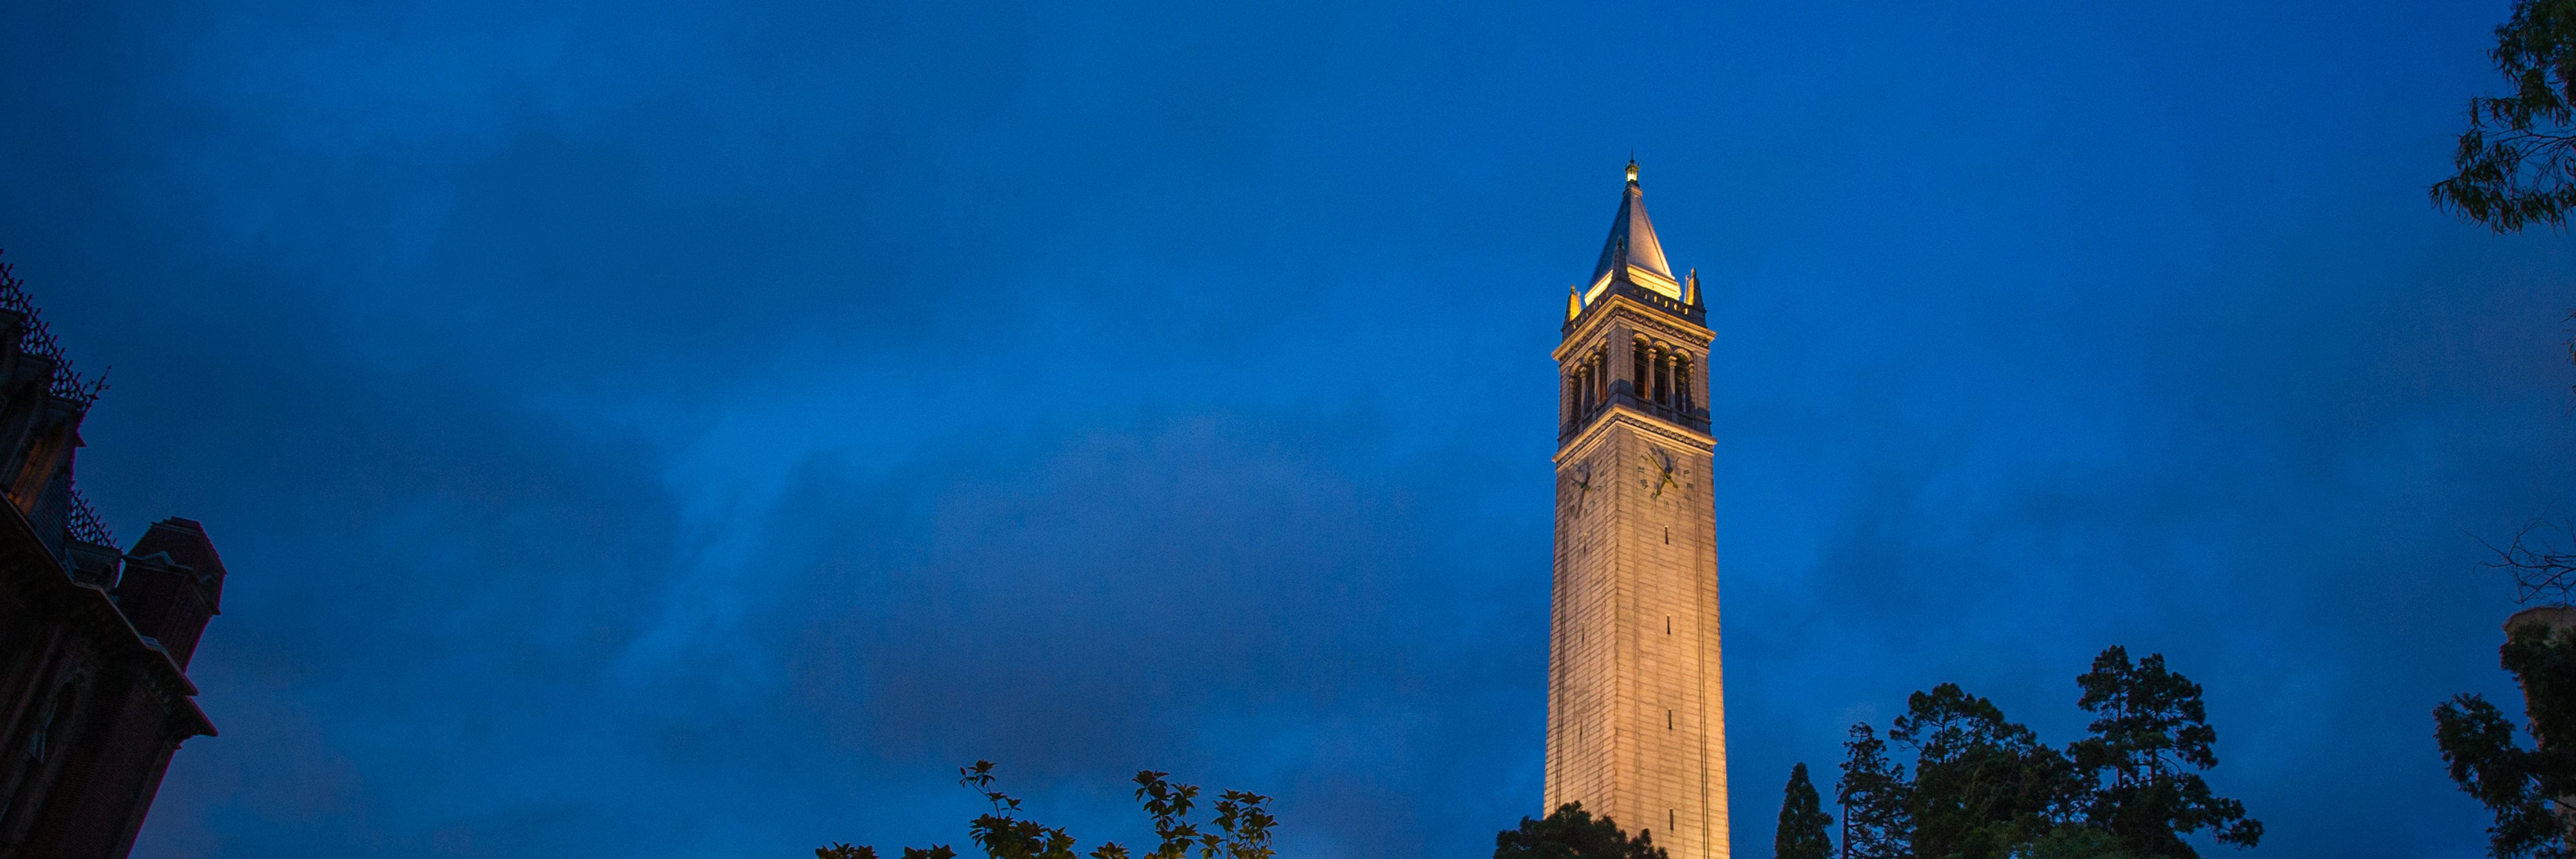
(2526, 788)
(1240, 829)
(1801, 834)
(1985, 787)
(1570, 832)
(2513, 161)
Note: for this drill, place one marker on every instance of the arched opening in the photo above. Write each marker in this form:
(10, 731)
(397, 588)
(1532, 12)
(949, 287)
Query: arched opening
(1596, 380)
(1573, 398)
(1663, 378)
(1640, 379)
(1683, 384)
(1578, 387)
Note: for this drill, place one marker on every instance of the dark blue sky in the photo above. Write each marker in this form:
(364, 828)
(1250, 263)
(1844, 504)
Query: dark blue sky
(655, 429)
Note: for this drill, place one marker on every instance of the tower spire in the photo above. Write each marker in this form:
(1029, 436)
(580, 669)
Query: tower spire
(1632, 251)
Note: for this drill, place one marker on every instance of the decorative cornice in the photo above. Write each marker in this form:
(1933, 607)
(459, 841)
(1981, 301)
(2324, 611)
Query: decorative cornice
(1623, 414)
(1621, 305)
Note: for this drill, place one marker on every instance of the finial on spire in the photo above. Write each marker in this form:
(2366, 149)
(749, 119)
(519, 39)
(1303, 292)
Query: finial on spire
(1690, 289)
(1632, 169)
(1573, 301)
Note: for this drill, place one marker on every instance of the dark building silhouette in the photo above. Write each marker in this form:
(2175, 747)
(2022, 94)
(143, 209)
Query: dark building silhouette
(94, 641)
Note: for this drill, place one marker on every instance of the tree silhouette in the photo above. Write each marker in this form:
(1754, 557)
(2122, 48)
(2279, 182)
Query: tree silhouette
(1802, 821)
(2152, 738)
(1985, 787)
(2513, 161)
(1874, 794)
(2526, 788)
(1570, 832)
(1240, 830)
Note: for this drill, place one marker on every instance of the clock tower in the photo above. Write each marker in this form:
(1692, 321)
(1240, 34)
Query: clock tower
(1636, 710)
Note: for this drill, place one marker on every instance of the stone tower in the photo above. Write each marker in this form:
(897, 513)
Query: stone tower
(1636, 710)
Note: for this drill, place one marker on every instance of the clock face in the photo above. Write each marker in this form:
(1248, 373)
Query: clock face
(1657, 470)
(1579, 481)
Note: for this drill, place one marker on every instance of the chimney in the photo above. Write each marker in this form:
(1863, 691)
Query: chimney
(173, 584)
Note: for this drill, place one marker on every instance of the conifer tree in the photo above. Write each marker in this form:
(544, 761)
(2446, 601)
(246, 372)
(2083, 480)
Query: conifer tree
(2151, 735)
(1802, 821)
(1873, 793)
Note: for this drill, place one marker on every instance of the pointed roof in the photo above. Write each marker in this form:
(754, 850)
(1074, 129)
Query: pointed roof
(1632, 249)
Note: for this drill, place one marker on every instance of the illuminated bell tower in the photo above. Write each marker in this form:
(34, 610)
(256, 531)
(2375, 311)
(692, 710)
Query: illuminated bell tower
(1636, 710)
